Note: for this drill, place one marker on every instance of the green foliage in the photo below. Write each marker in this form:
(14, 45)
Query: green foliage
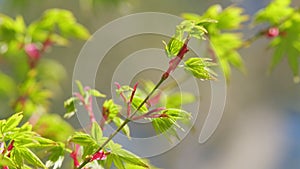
(111, 108)
(200, 68)
(279, 14)
(168, 123)
(116, 154)
(177, 99)
(275, 12)
(112, 111)
(66, 23)
(223, 38)
(120, 157)
(20, 142)
(58, 132)
(96, 131)
(193, 28)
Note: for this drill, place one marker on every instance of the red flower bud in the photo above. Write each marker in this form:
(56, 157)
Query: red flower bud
(272, 32)
(100, 155)
(32, 51)
(33, 54)
(5, 167)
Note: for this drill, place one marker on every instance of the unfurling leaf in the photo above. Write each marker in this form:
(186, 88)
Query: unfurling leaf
(199, 67)
(168, 123)
(173, 47)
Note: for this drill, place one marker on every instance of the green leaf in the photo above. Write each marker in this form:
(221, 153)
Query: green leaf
(6, 161)
(130, 158)
(167, 125)
(199, 67)
(108, 161)
(111, 108)
(53, 126)
(173, 47)
(31, 158)
(83, 139)
(224, 46)
(96, 131)
(13, 122)
(96, 93)
(124, 156)
(124, 88)
(20, 24)
(56, 157)
(176, 100)
(17, 157)
(75, 30)
(80, 87)
(70, 107)
(287, 45)
(118, 122)
(118, 162)
(275, 12)
(8, 86)
(59, 40)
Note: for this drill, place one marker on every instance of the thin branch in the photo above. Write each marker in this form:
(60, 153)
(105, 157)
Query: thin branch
(164, 76)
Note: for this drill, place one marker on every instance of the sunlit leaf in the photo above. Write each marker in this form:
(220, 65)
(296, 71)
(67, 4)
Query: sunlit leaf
(199, 67)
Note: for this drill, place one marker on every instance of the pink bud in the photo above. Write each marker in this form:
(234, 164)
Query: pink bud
(273, 32)
(5, 167)
(32, 51)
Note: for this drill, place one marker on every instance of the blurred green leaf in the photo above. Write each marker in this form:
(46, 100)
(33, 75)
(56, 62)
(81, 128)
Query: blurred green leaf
(80, 87)
(222, 34)
(8, 86)
(176, 100)
(96, 93)
(274, 13)
(52, 126)
(287, 45)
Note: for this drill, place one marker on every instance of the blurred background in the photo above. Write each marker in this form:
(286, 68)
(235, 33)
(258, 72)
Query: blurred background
(260, 127)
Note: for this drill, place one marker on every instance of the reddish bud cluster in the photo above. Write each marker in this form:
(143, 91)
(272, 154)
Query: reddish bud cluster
(34, 52)
(100, 155)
